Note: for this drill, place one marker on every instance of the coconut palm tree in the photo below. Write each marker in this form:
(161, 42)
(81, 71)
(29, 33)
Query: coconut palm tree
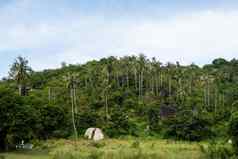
(71, 84)
(20, 72)
(106, 73)
(142, 67)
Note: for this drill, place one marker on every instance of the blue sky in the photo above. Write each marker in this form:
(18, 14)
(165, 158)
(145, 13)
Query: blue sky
(48, 32)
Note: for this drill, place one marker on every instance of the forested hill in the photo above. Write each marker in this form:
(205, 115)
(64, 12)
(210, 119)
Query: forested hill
(126, 96)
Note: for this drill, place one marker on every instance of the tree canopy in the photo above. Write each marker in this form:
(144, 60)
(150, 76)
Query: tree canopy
(131, 95)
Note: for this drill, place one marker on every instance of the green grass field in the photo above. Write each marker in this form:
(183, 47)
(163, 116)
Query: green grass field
(111, 149)
(25, 155)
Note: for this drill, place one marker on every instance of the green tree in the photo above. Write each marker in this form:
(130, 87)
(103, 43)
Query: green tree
(71, 84)
(18, 121)
(233, 131)
(20, 72)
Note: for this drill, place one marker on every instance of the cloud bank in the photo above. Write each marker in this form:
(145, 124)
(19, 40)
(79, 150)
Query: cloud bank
(194, 36)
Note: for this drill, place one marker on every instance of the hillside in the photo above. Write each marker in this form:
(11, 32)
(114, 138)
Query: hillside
(133, 96)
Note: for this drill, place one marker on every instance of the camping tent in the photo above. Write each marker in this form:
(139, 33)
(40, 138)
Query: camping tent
(95, 134)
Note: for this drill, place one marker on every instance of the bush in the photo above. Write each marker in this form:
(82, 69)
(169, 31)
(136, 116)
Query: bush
(187, 127)
(233, 131)
(119, 125)
(87, 119)
(54, 122)
(153, 113)
(218, 151)
(18, 120)
(135, 144)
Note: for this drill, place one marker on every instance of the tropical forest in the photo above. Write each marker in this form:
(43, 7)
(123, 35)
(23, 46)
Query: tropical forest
(143, 107)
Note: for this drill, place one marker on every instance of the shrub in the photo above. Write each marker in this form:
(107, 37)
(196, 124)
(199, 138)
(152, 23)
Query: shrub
(153, 113)
(54, 122)
(135, 144)
(87, 119)
(18, 120)
(118, 124)
(187, 126)
(233, 131)
(218, 151)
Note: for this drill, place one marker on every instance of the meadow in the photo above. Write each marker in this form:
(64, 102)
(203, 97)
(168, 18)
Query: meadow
(111, 149)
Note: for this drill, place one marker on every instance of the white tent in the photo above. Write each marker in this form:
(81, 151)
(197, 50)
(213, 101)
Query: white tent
(95, 134)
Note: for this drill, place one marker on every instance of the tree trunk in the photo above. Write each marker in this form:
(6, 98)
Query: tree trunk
(72, 109)
(169, 87)
(157, 84)
(215, 100)
(208, 94)
(152, 85)
(49, 94)
(118, 82)
(141, 84)
(135, 74)
(161, 80)
(106, 107)
(20, 89)
(127, 79)
(75, 102)
(205, 96)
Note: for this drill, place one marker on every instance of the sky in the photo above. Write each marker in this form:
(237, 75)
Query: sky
(48, 32)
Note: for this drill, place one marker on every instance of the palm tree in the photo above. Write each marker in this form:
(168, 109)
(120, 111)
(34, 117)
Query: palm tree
(156, 66)
(142, 65)
(106, 72)
(20, 72)
(71, 84)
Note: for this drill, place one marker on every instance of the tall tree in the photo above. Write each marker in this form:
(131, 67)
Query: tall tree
(71, 83)
(20, 72)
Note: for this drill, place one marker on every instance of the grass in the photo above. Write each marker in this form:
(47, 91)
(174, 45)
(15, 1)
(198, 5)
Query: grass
(112, 149)
(25, 155)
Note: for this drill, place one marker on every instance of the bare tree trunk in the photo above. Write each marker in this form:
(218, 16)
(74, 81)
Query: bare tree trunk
(152, 85)
(156, 85)
(106, 107)
(169, 87)
(161, 80)
(215, 102)
(49, 94)
(72, 109)
(208, 94)
(141, 85)
(179, 89)
(118, 82)
(75, 101)
(127, 79)
(20, 89)
(135, 74)
(53, 95)
(205, 95)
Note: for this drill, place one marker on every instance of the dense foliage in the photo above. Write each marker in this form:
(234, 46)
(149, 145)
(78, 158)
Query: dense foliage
(123, 96)
(233, 129)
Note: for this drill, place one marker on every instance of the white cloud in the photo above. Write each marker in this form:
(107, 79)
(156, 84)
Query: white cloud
(197, 37)
(192, 37)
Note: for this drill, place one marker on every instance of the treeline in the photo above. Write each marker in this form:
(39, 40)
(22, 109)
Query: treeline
(132, 95)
